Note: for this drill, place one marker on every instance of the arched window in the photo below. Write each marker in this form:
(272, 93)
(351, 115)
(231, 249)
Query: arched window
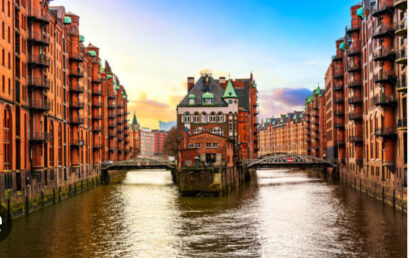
(59, 145)
(198, 130)
(187, 118)
(217, 130)
(213, 117)
(51, 144)
(7, 132)
(204, 118)
(196, 118)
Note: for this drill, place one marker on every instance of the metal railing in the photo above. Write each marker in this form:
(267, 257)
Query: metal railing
(38, 82)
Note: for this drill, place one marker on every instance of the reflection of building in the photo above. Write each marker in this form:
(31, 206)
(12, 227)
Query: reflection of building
(213, 107)
(166, 126)
(147, 139)
(160, 137)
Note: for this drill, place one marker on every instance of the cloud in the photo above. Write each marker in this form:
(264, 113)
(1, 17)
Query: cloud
(282, 100)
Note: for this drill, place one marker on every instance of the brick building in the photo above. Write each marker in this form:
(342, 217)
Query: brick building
(159, 141)
(361, 116)
(226, 108)
(53, 98)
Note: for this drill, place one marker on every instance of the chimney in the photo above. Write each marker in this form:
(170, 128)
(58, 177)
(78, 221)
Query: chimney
(222, 81)
(190, 83)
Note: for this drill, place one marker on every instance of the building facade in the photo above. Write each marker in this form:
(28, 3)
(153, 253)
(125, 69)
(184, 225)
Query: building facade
(159, 139)
(147, 139)
(53, 99)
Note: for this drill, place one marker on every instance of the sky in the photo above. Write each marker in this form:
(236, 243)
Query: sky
(153, 46)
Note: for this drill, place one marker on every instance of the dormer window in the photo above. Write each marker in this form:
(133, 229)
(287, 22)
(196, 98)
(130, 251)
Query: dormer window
(208, 101)
(191, 98)
(208, 98)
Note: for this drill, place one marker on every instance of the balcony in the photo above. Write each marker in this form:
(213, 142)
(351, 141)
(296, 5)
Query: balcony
(77, 105)
(97, 79)
(97, 146)
(354, 49)
(40, 105)
(382, 8)
(97, 129)
(35, 15)
(120, 105)
(354, 83)
(401, 86)
(77, 120)
(77, 143)
(355, 116)
(338, 74)
(111, 106)
(41, 39)
(39, 61)
(339, 100)
(382, 54)
(401, 4)
(402, 124)
(78, 57)
(355, 100)
(111, 116)
(339, 143)
(39, 136)
(97, 104)
(383, 31)
(356, 138)
(337, 57)
(339, 87)
(354, 67)
(401, 29)
(355, 27)
(339, 125)
(76, 88)
(386, 132)
(383, 77)
(385, 100)
(97, 117)
(111, 95)
(111, 125)
(38, 82)
(78, 73)
(401, 58)
(97, 92)
(339, 113)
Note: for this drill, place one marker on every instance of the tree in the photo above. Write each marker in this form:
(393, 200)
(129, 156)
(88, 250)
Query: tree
(170, 147)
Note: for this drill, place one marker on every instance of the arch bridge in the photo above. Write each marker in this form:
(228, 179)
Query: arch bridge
(135, 164)
(289, 160)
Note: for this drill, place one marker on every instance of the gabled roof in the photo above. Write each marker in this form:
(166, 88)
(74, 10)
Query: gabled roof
(200, 88)
(229, 92)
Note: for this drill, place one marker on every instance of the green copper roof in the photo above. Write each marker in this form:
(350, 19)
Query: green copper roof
(317, 90)
(92, 53)
(117, 88)
(208, 95)
(274, 122)
(127, 101)
(254, 85)
(109, 76)
(361, 12)
(123, 97)
(295, 117)
(229, 92)
(342, 46)
(82, 38)
(191, 96)
(302, 115)
(281, 120)
(268, 120)
(99, 62)
(67, 20)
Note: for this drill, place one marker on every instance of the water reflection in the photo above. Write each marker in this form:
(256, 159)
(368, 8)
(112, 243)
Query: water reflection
(282, 213)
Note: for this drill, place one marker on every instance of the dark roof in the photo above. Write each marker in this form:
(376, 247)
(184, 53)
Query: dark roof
(200, 88)
(243, 95)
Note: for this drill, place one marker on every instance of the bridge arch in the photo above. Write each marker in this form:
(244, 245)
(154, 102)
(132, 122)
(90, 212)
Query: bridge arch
(288, 160)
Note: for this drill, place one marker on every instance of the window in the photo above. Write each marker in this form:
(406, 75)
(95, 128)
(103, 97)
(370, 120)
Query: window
(197, 145)
(217, 131)
(220, 118)
(198, 130)
(204, 118)
(191, 145)
(187, 118)
(215, 145)
(208, 101)
(208, 145)
(7, 138)
(196, 118)
(212, 117)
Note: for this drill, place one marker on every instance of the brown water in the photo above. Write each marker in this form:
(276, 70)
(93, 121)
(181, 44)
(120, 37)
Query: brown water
(282, 214)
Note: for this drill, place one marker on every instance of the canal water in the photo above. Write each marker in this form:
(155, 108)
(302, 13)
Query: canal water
(283, 213)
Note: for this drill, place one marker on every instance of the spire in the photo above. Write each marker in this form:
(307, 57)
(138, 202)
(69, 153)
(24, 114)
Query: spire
(229, 92)
(134, 120)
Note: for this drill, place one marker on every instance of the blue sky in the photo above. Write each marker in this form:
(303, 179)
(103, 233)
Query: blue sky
(154, 45)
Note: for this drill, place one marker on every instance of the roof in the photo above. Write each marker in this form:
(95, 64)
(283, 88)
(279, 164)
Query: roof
(243, 96)
(134, 120)
(229, 92)
(200, 88)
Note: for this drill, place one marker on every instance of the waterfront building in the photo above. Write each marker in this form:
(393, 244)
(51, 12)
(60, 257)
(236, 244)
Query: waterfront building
(159, 140)
(212, 107)
(53, 98)
(147, 139)
(166, 126)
